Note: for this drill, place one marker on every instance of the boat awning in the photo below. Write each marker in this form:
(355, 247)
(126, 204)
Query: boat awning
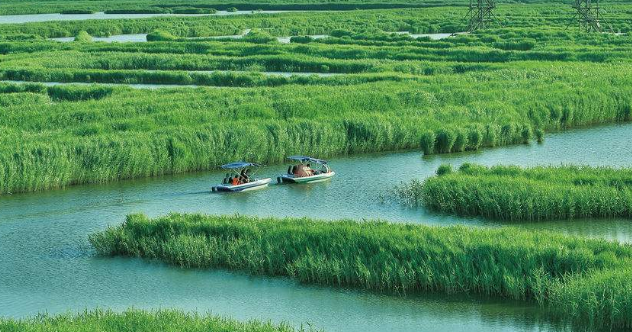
(306, 159)
(239, 164)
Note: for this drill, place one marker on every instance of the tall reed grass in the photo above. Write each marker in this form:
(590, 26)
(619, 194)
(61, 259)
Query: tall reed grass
(526, 194)
(559, 272)
(99, 134)
(439, 96)
(138, 321)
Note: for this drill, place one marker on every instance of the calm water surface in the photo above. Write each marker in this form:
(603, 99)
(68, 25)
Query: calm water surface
(142, 38)
(433, 36)
(46, 264)
(12, 19)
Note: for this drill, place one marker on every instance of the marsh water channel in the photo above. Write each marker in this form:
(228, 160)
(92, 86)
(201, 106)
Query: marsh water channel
(46, 263)
(142, 37)
(31, 18)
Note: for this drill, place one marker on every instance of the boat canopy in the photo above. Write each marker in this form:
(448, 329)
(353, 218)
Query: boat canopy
(303, 159)
(239, 164)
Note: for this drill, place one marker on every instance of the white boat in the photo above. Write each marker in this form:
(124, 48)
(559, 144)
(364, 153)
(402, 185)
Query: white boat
(253, 185)
(294, 174)
(242, 180)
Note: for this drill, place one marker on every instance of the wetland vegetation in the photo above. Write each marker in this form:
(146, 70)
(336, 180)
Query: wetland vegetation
(510, 84)
(585, 280)
(136, 320)
(492, 88)
(525, 194)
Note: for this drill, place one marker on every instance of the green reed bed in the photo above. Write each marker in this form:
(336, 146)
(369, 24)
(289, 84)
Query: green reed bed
(461, 93)
(564, 274)
(110, 60)
(138, 321)
(218, 79)
(55, 137)
(342, 55)
(526, 194)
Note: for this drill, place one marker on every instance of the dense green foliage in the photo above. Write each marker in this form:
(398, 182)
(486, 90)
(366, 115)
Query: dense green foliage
(77, 11)
(560, 272)
(122, 133)
(83, 37)
(514, 193)
(391, 91)
(137, 321)
(127, 133)
(159, 35)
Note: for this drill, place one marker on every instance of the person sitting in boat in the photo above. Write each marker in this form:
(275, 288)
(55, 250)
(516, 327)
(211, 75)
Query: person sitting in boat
(244, 177)
(324, 169)
(309, 170)
(235, 181)
(301, 171)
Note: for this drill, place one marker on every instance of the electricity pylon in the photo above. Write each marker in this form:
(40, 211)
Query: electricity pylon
(481, 14)
(587, 15)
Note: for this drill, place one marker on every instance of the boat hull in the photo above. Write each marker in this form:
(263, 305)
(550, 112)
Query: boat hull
(288, 178)
(254, 185)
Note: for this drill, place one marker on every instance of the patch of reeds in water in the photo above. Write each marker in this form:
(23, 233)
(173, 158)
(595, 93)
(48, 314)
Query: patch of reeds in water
(568, 275)
(526, 194)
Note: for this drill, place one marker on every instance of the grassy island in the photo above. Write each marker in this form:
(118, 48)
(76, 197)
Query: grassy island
(526, 194)
(587, 281)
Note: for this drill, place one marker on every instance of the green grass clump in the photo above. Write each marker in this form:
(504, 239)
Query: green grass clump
(526, 194)
(138, 321)
(259, 37)
(192, 10)
(160, 35)
(77, 11)
(83, 37)
(144, 10)
(562, 273)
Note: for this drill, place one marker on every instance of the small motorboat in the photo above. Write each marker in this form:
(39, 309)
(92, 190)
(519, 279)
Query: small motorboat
(302, 171)
(240, 178)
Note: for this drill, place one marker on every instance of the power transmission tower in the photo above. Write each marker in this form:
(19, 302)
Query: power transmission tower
(587, 15)
(481, 14)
